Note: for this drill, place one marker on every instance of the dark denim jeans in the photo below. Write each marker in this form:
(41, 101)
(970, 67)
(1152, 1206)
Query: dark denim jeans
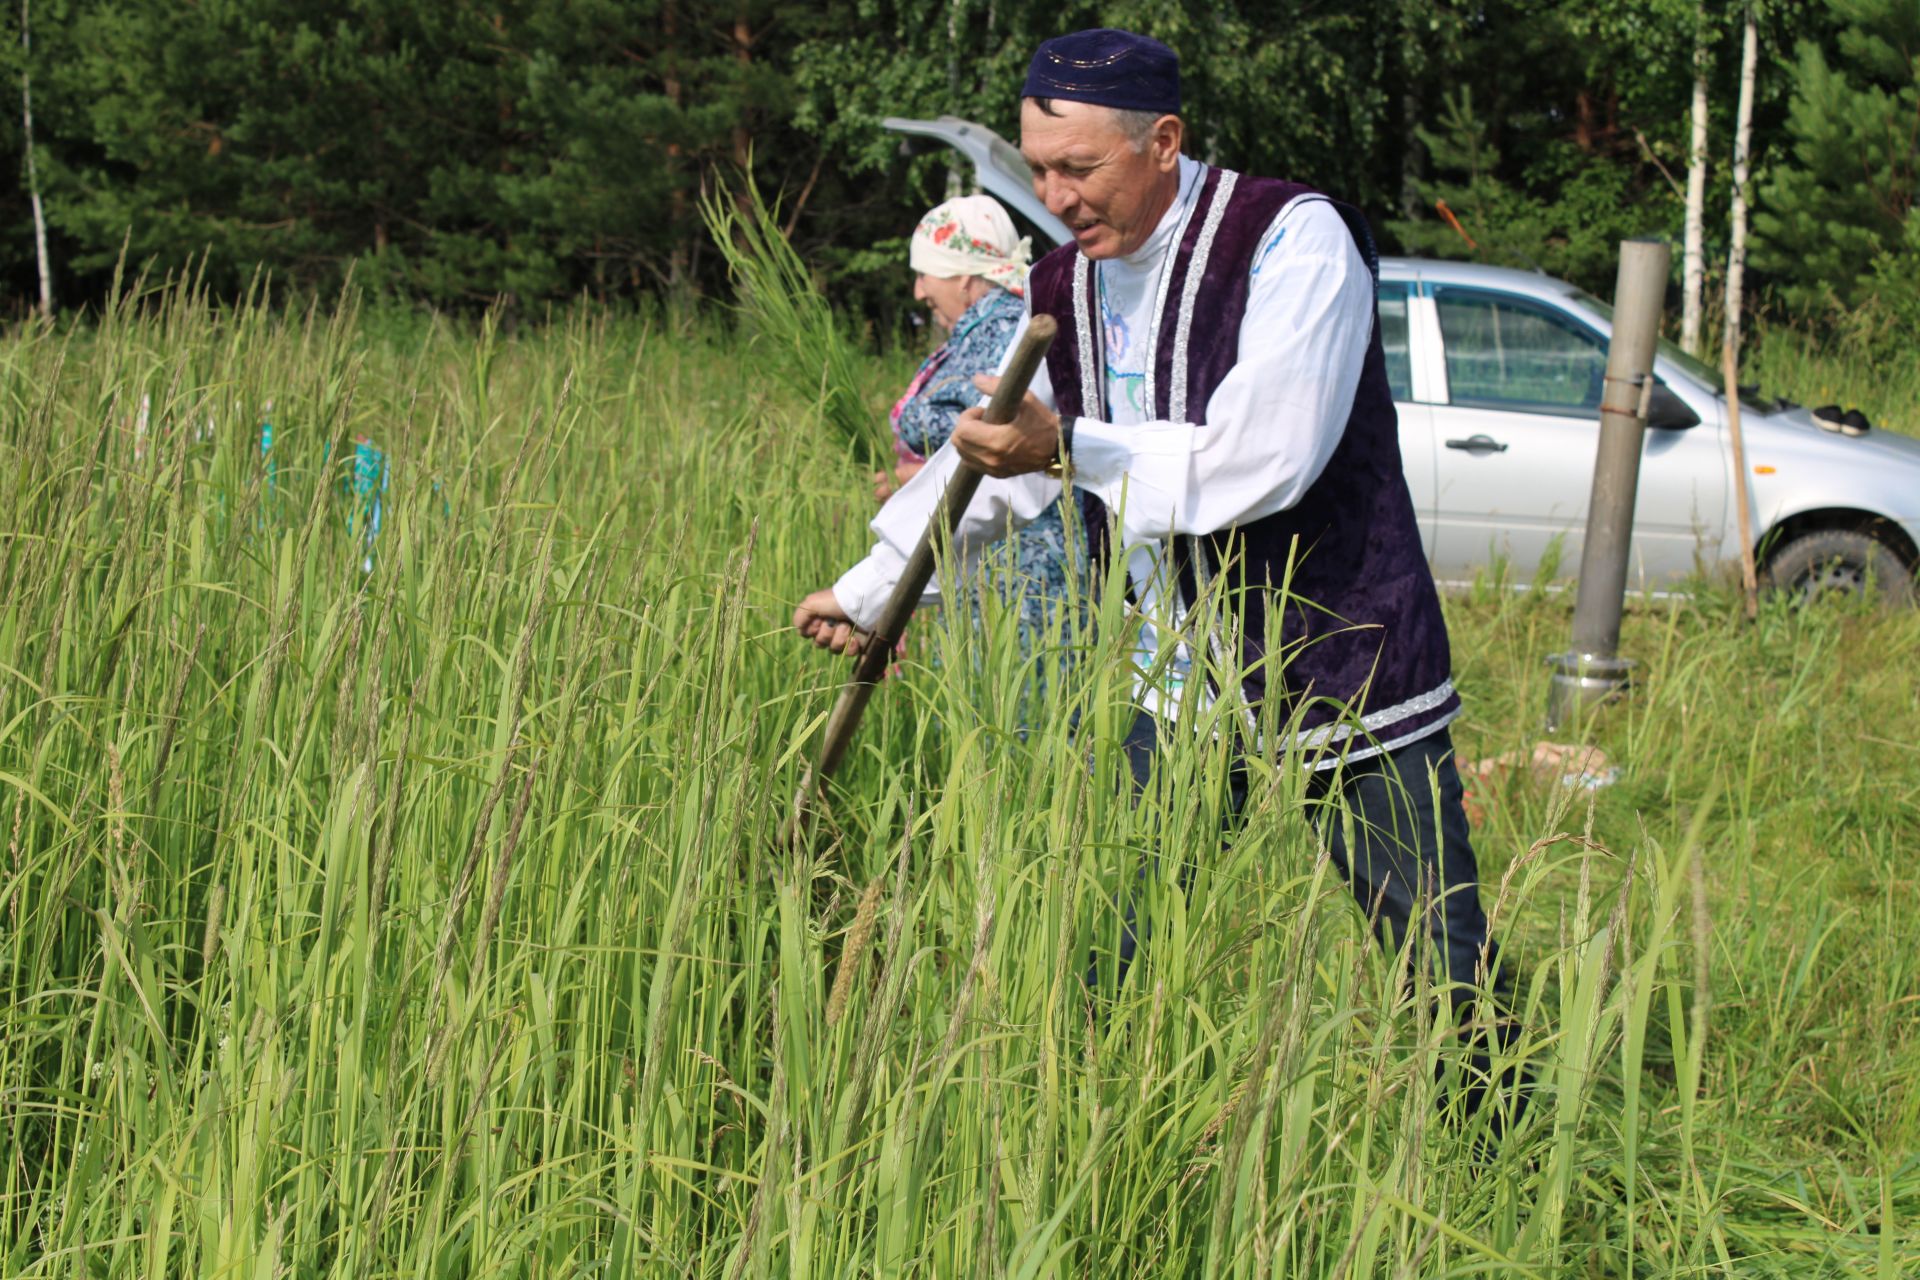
(1408, 859)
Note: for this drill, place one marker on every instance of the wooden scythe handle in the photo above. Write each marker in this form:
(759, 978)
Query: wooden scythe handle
(879, 647)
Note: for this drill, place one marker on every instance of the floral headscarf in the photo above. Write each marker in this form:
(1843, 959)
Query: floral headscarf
(972, 236)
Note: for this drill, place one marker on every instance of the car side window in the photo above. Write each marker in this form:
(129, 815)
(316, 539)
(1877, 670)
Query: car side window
(1393, 336)
(1506, 352)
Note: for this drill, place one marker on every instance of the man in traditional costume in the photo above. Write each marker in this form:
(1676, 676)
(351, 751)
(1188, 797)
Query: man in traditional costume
(1218, 396)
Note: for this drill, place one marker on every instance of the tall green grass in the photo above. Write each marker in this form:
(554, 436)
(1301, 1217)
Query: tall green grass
(431, 922)
(796, 337)
(1864, 363)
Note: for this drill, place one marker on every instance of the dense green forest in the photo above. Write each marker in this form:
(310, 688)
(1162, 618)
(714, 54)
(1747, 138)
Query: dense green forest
(458, 151)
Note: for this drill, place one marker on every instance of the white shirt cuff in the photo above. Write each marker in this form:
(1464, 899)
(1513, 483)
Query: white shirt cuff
(1101, 454)
(862, 591)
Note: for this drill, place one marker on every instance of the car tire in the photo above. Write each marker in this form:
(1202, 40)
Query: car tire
(1839, 562)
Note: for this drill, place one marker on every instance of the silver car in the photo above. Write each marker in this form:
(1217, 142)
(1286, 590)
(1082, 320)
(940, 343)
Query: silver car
(1496, 374)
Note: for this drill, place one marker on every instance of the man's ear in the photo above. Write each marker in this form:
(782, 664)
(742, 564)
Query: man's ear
(1168, 133)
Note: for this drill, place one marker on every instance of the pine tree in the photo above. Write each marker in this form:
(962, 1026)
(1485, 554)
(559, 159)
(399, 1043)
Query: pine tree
(1844, 197)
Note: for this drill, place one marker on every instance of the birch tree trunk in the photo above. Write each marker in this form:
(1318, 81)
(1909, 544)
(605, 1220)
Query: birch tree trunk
(1736, 280)
(33, 177)
(956, 17)
(1693, 260)
(1742, 159)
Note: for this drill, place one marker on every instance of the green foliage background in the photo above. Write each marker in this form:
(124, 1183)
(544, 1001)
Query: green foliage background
(454, 152)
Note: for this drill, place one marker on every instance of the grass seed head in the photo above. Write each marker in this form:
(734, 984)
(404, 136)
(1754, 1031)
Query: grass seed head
(859, 936)
(210, 940)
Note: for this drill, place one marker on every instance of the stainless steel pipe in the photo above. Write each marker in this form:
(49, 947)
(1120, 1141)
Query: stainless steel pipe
(1592, 671)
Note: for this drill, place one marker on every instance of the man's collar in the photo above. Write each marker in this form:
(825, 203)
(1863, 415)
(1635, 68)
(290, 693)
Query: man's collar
(1168, 230)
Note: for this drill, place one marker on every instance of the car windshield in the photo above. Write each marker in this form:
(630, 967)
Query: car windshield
(1698, 369)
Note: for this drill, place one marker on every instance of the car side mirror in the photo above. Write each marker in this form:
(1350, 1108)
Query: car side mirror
(1668, 411)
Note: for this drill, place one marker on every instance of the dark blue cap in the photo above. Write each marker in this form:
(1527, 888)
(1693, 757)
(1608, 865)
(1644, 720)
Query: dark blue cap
(1108, 67)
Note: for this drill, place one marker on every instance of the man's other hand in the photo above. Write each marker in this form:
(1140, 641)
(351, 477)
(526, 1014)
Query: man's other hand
(1025, 445)
(885, 484)
(821, 619)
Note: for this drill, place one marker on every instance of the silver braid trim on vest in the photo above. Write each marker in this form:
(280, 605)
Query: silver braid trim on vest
(1190, 290)
(1354, 755)
(1386, 717)
(1091, 392)
(1151, 391)
(1177, 412)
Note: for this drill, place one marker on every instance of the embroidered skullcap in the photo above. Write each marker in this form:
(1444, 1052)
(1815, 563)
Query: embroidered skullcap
(971, 236)
(1108, 67)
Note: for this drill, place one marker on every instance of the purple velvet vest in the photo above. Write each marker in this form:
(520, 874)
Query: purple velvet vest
(1337, 608)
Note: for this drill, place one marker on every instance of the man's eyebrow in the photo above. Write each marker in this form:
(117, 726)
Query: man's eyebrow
(1072, 159)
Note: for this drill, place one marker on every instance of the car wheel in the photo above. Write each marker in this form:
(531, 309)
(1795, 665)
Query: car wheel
(1840, 562)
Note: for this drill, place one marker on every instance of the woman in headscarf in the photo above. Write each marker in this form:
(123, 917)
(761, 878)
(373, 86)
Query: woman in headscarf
(970, 271)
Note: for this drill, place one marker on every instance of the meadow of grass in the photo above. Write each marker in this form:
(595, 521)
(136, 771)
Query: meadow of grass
(430, 920)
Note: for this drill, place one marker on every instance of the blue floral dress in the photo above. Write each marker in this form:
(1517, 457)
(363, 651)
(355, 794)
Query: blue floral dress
(1033, 569)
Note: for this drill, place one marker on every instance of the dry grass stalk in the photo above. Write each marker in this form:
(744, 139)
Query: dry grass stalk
(117, 826)
(210, 940)
(390, 810)
(170, 719)
(463, 883)
(859, 934)
(18, 859)
(351, 673)
(343, 635)
(858, 1080)
(501, 867)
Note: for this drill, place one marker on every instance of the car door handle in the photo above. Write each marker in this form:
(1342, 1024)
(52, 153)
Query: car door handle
(1478, 444)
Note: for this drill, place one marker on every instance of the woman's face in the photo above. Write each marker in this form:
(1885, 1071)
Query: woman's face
(948, 297)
